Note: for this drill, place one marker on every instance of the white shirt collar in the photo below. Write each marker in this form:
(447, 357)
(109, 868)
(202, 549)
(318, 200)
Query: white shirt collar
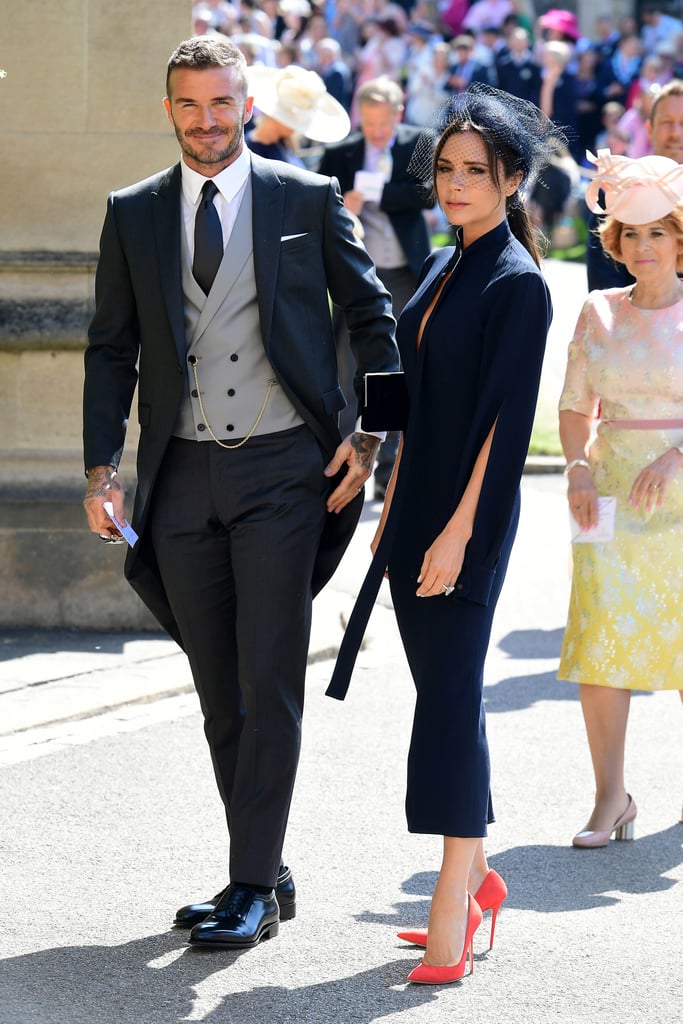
(229, 181)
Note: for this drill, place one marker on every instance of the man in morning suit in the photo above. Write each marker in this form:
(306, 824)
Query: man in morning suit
(394, 226)
(212, 293)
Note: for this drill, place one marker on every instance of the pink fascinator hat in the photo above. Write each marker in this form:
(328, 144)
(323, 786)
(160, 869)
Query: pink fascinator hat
(562, 21)
(635, 191)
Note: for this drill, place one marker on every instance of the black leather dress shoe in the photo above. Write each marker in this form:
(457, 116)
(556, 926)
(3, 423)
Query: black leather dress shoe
(240, 920)
(285, 894)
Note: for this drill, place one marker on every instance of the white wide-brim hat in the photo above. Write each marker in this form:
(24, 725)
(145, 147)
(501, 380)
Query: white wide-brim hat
(298, 98)
(636, 191)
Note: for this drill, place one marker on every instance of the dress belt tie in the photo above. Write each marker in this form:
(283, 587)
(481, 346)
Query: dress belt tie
(643, 424)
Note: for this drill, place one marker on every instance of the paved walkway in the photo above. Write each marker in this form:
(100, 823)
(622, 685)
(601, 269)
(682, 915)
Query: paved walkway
(111, 821)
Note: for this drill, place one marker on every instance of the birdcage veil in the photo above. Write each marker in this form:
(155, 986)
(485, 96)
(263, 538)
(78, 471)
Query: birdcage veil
(521, 134)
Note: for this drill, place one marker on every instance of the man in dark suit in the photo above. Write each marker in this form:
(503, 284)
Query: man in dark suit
(212, 293)
(518, 72)
(465, 68)
(390, 205)
(334, 72)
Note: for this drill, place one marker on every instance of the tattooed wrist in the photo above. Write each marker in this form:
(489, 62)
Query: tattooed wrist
(102, 480)
(365, 447)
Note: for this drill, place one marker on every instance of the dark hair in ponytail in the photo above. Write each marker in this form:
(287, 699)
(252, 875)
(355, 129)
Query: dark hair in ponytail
(522, 228)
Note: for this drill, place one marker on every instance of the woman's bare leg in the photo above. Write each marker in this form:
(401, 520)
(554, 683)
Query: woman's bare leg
(448, 913)
(605, 712)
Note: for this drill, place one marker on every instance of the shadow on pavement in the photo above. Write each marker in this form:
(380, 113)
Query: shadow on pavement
(20, 643)
(564, 878)
(157, 979)
(532, 643)
(517, 693)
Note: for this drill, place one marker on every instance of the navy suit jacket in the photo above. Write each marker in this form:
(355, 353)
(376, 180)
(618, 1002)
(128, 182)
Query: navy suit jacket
(137, 334)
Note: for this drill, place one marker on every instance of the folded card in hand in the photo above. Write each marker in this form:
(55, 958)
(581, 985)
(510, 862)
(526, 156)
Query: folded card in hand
(604, 529)
(386, 402)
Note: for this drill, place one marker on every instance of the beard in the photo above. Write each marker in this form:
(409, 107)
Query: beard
(208, 157)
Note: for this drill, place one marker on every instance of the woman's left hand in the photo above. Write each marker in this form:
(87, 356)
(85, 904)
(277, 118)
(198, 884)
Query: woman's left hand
(441, 565)
(649, 487)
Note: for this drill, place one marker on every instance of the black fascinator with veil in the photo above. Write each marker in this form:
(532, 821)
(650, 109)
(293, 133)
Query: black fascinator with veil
(526, 137)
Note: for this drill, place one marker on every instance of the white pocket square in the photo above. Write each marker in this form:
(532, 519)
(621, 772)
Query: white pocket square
(287, 238)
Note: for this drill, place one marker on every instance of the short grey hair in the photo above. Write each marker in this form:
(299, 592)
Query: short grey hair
(381, 90)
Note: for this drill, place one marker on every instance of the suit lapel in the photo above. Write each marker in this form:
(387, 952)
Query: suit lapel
(166, 218)
(401, 152)
(357, 158)
(268, 199)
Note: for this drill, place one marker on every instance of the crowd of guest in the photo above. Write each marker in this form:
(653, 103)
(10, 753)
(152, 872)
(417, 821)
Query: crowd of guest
(598, 85)
(434, 49)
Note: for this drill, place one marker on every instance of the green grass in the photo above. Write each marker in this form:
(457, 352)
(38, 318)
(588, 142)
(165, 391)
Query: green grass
(545, 437)
(575, 253)
(544, 441)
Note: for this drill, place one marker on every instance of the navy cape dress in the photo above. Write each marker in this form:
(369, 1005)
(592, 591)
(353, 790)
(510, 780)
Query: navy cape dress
(478, 363)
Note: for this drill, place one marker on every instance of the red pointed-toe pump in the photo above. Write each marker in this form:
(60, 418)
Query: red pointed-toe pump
(435, 974)
(490, 896)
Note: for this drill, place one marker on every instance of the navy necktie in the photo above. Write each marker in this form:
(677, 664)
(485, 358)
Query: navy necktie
(208, 239)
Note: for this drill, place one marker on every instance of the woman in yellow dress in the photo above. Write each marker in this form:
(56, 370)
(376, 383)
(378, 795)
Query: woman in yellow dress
(621, 427)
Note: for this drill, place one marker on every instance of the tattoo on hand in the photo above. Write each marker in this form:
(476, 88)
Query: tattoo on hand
(101, 484)
(365, 448)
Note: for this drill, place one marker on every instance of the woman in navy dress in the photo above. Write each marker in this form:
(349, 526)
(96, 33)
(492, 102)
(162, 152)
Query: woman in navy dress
(472, 340)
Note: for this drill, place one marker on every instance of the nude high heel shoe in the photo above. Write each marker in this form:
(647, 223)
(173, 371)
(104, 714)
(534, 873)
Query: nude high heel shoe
(435, 974)
(623, 827)
(489, 896)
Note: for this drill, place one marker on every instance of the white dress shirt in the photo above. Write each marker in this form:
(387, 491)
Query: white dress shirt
(230, 182)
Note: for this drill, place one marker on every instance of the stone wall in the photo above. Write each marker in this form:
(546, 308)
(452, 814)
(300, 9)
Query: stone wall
(80, 114)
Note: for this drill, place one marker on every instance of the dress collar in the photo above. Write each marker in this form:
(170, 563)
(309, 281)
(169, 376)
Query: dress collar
(494, 238)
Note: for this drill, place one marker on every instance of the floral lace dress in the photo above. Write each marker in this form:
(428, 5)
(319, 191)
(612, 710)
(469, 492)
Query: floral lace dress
(625, 623)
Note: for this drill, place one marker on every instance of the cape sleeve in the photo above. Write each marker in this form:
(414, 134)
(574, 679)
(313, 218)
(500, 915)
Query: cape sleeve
(516, 328)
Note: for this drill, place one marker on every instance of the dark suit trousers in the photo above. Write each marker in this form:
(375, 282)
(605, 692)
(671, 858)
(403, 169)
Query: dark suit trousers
(235, 533)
